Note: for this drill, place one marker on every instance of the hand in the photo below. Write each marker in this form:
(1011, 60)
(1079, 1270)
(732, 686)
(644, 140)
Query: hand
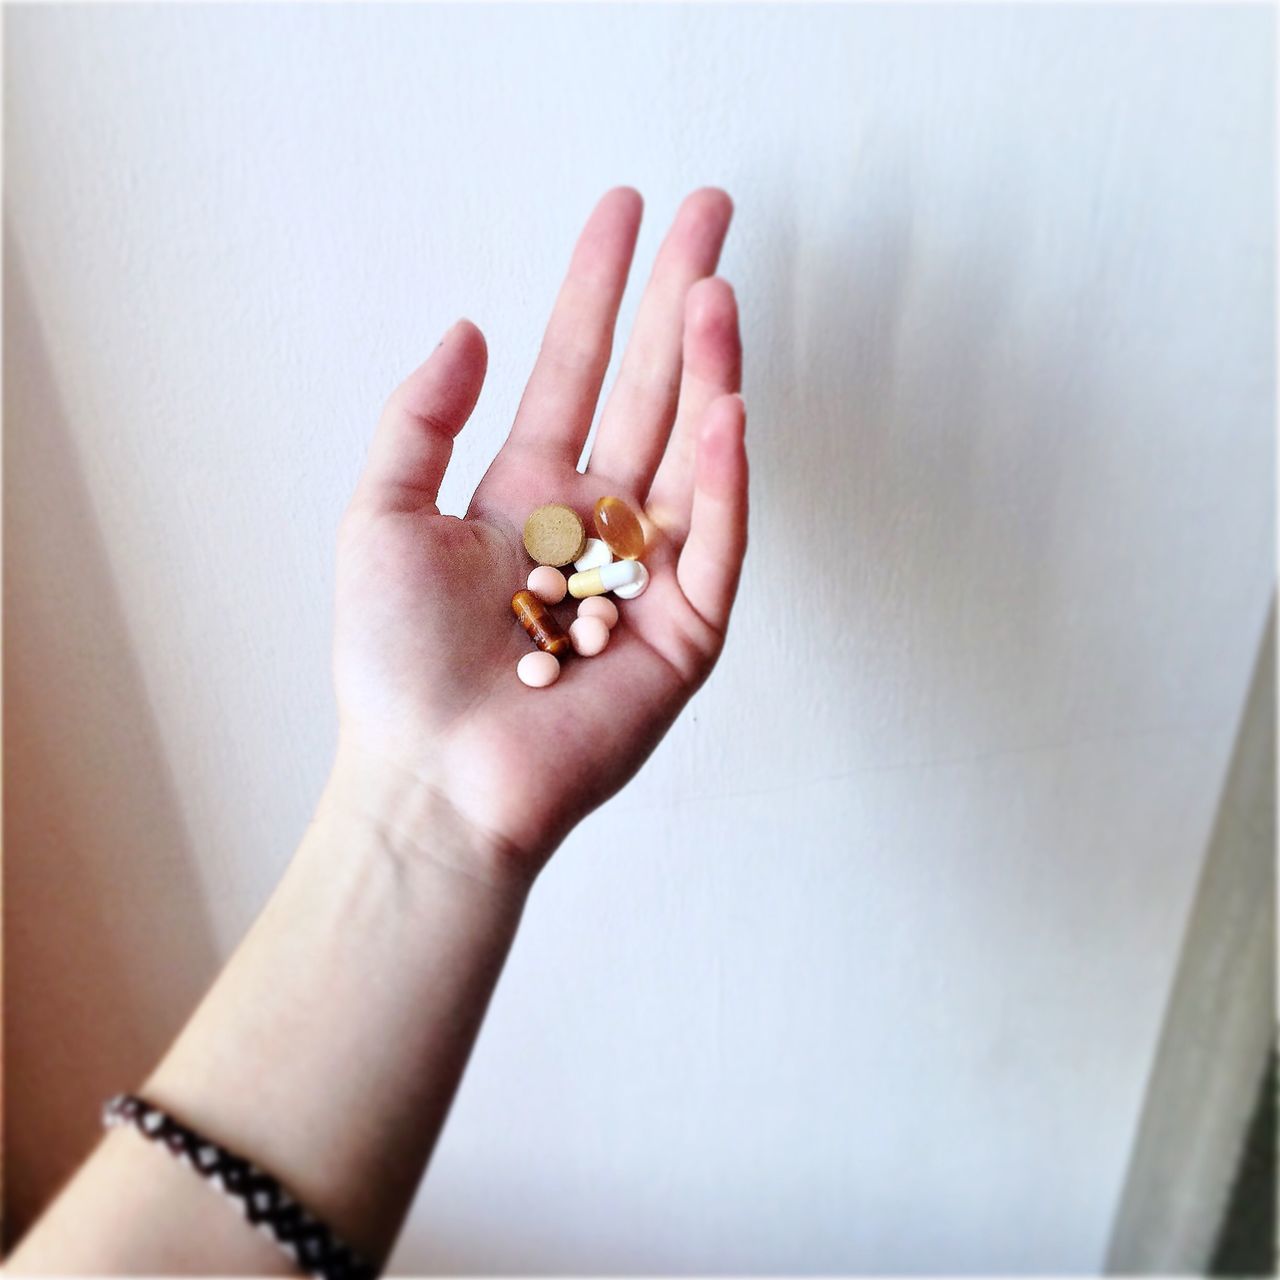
(426, 642)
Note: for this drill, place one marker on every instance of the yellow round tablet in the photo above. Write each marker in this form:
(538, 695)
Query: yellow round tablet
(553, 534)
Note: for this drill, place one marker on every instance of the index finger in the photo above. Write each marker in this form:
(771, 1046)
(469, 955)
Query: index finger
(560, 399)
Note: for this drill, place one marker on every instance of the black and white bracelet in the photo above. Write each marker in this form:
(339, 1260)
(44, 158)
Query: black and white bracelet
(265, 1203)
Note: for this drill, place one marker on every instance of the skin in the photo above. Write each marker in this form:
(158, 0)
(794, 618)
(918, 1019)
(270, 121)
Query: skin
(426, 646)
(330, 1047)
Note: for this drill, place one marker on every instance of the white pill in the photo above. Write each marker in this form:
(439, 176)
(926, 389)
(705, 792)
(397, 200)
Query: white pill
(596, 554)
(588, 636)
(639, 580)
(548, 584)
(599, 607)
(538, 669)
(609, 577)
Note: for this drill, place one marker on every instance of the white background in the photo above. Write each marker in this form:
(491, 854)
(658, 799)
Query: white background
(865, 970)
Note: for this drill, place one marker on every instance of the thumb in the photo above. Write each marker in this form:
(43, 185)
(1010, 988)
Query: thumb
(414, 436)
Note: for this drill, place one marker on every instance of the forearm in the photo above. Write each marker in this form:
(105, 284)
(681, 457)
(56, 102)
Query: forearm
(329, 1049)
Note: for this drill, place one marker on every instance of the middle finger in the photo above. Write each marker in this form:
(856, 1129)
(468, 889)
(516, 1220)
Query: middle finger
(641, 407)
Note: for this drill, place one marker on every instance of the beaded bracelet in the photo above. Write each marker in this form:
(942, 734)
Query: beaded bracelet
(266, 1204)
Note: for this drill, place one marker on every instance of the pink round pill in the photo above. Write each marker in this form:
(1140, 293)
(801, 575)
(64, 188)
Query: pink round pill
(538, 669)
(599, 607)
(548, 584)
(588, 636)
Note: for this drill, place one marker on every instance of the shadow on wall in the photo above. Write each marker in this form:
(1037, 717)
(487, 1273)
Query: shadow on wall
(107, 946)
(924, 429)
(913, 425)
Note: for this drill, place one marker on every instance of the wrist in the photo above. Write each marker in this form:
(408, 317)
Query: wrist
(373, 803)
(375, 956)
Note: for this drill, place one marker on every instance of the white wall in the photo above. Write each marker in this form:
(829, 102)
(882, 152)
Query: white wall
(865, 970)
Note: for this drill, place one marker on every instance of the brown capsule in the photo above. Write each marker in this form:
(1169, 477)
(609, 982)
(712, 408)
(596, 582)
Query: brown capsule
(537, 620)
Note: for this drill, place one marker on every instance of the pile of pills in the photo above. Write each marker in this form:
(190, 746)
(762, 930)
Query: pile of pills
(555, 537)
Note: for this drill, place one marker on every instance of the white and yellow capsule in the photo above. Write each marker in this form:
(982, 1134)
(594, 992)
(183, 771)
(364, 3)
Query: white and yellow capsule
(627, 578)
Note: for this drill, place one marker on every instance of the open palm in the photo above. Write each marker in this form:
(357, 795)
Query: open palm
(426, 643)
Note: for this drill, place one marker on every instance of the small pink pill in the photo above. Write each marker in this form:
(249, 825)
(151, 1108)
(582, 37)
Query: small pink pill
(599, 607)
(548, 584)
(588, 636)
(538, 669)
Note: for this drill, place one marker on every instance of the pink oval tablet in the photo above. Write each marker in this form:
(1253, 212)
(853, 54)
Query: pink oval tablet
(588, 636)
(538, 669)
(548, 584)
(599, 607)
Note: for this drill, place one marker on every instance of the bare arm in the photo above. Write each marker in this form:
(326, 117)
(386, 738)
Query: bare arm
(330, 1047)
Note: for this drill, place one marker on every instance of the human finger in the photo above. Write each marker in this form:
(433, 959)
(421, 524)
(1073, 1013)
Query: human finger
(711, 560)
(712, 368)
(641, 406)
(559, 401)
(414, 437)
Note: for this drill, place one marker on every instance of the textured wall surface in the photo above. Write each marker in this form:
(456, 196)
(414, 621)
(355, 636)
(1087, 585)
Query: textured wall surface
(865, 970)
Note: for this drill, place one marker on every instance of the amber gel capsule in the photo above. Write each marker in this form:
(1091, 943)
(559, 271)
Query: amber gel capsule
(543, 629)
(619, 528)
